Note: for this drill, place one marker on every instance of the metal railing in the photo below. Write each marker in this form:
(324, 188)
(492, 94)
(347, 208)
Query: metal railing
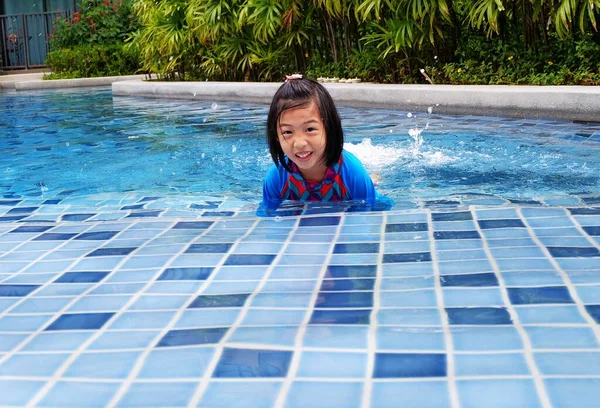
(24, 39)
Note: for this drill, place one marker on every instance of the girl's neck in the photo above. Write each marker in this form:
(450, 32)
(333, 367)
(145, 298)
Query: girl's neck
(316, 173)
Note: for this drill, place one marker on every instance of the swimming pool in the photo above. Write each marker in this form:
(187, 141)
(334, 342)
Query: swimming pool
(133, 271)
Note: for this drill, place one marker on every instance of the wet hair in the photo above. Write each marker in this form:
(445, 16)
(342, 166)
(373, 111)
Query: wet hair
(299, 93)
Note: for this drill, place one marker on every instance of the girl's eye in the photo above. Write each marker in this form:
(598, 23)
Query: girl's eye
(286, 133)
(311, 129)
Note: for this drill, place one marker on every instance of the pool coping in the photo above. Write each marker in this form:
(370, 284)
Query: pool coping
(581, 103)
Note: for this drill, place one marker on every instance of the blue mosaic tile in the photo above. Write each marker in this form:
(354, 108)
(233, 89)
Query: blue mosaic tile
(404, 365)
(111, 251)
(324, 394)
(513, 393)
(452, 216)
(16, 290)
(79, 393)
(594, 311)
(51, 236)
(157, 395)
(456, 235)
(505, 223)
(469, 280)
(31, 228)
(344, 300)
(76, 217)
(573, 252)
(171, 274)
(336, 365)
(236, 300)
(83, 321)
(81, 277)
(193, 225)
(261, 394)
(208, 248)
(478, 315)
(584, 211)
(22, 210)
(238, 259)
(335, 285)
(192, 336)
(407, 227)
(239, 363)
(593, 231)
(356, 248)
(340, 317)
(414, 257)
(96, 236)
(144, 214)
(319, 221)
(426, 394)
(539, 295)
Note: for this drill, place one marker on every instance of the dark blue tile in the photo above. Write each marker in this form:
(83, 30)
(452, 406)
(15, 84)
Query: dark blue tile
(246, 363)
(508, 223)
(414, 257)
(218, 213)
(591, 200)
(196, 225)
(593, 230)
(22, 210)
(333, 285)
(356, 248)
(54, 236)
(594, 311)
(351, 271)
(13, 218)
(81, 277)
(80, 321)
(145, 214)
(76, 217)
(132, 207)
(148, 199)
(456, 234)
(259, 259)
(10, 203)
(340, 317)
(207, 206)
(584, 211)
(319, 221)
(32, 228)
(96, 236)
(344, 299)
(185, 274)
(478, 315)
(236, 300)
(52, 202)
(209, 248)
(452, 216)
(16, 290)
(406, 365)
(436, 203)
(475, 279)
(573, 252)
(411, 227)
(539, 295)
(525, 202)
(112, 251)
(189, 337)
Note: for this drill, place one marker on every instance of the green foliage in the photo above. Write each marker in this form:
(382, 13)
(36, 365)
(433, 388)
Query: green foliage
(91, 61)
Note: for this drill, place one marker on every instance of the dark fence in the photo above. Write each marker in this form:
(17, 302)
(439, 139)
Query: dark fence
(24, 39)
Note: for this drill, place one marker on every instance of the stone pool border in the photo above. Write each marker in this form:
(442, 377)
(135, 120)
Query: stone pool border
(551, 102)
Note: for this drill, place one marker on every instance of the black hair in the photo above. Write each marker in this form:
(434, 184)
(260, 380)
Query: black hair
(299, 93)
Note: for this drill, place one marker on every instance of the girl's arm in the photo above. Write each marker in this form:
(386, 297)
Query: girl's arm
(272, 187)
(357, 180)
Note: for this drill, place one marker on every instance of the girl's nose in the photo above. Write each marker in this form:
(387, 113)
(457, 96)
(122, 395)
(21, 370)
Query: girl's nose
(299, 142)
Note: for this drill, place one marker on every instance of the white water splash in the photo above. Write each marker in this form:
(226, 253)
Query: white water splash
(374, 157)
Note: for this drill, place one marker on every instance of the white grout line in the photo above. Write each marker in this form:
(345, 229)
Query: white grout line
(197, 396)
(595, 327)
(372, 333)
(150, 347)
(527, 347)
(63, 368)
(439, 294)
(293, 369)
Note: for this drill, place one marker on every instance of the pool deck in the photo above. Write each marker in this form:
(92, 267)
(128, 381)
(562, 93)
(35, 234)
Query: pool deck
(127, 301)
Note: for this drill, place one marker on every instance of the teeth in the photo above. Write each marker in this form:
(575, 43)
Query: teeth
(302, 155)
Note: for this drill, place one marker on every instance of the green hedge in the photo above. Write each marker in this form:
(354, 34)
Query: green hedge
(91, 61)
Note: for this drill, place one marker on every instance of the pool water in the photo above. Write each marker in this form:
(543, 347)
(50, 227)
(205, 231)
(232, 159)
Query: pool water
(89, 143)
(134, 272)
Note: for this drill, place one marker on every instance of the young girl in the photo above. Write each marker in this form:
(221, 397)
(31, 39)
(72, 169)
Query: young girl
(306, 142)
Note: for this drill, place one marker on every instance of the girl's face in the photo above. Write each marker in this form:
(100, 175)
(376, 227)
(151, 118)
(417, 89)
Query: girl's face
(302, 138)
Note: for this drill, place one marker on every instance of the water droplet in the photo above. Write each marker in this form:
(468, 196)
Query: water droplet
(67, 144)
(409, 115)
(214, 105)
(437, 104)
(429, 110)
(233, 148)
(194, 93)
(391, 131)
(203, 155)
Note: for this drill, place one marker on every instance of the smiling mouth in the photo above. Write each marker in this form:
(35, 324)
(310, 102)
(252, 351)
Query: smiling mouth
(304, 155)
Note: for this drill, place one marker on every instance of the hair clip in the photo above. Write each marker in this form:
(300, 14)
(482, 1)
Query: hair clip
(292, 77)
